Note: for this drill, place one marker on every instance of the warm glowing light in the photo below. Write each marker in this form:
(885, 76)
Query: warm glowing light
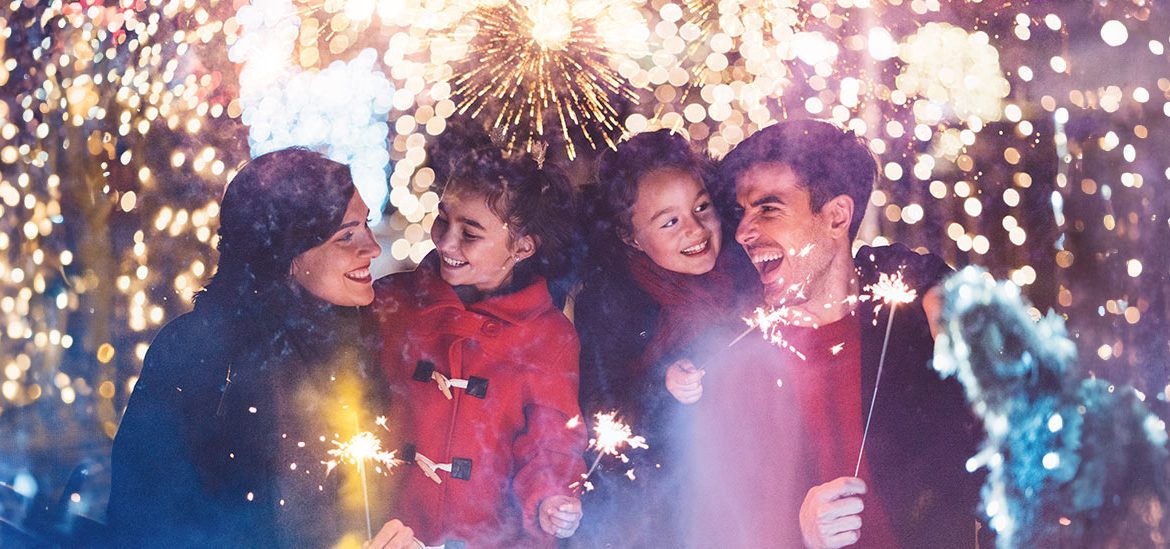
(610, 435)
(1114, 33)
(364, 447)
(892, 289)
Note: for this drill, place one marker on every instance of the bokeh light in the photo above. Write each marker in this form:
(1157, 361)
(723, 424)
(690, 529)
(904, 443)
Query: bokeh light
(1026, 137)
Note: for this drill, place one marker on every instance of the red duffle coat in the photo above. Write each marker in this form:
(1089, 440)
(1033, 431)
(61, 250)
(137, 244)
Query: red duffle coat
(507, 438)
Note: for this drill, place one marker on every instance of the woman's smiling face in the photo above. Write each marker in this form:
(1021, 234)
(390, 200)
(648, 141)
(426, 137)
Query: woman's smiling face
(674, 222)
(338, 270)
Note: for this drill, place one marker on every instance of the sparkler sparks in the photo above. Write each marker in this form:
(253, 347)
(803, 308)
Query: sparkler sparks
(610, 435)
(771, 323)
(891, 289)
(540, 61)
(363, 447)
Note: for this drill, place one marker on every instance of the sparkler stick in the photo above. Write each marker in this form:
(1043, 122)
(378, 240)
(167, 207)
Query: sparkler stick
(365, 499)
(890, 290)
(740, 336)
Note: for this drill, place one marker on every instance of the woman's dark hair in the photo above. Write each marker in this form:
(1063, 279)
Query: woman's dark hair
(278, 206)
(610, 200)
(532, 200)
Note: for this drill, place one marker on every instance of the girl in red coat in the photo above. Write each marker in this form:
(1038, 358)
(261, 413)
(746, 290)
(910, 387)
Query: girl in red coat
(482, 366)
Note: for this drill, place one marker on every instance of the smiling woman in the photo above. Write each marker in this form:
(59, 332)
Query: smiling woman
(338, 270)
(216, 443)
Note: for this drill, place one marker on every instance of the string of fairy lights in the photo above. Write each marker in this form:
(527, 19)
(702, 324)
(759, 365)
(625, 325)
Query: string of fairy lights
(1011, 135)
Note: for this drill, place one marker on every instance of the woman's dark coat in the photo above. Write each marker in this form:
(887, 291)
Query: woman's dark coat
(197, 465)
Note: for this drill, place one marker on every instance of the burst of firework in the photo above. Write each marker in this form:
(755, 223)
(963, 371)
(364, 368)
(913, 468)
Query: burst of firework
(544, 59)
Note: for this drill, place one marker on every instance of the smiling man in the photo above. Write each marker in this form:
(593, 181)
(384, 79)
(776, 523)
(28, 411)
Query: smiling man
(802, 187)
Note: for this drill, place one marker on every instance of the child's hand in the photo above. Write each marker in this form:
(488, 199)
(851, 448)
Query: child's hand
(393, 535)
(559, 515)
(684, 381)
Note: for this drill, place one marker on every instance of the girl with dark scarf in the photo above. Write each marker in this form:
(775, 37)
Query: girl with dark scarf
(660, 284)
(225, 435)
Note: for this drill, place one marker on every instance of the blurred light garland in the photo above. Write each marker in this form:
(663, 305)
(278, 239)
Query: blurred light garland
(340, 110)
(1025, 137)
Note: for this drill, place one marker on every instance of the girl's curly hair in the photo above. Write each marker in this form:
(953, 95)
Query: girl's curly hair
(534, 201)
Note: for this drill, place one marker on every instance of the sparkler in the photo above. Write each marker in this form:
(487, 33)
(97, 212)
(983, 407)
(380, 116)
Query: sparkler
(890, 290)
(361, 448)
(610, 435)
(769, 321)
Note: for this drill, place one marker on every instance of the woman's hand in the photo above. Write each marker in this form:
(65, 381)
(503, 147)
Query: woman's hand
(684, 381)
(559, 515)
(393, 535)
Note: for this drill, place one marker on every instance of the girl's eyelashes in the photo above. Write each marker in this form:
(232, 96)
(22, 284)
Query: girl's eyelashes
(469, 236)
(673, 221)
(702, 207)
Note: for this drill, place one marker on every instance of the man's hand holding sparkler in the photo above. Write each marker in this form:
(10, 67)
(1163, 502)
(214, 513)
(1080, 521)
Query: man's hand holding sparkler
(560, 515)
(830, 516)
(684, 381)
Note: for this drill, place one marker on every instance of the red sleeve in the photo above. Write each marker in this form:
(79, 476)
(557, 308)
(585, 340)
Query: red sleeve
(548, 452)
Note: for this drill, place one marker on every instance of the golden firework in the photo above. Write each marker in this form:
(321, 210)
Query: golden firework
(542, 63)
